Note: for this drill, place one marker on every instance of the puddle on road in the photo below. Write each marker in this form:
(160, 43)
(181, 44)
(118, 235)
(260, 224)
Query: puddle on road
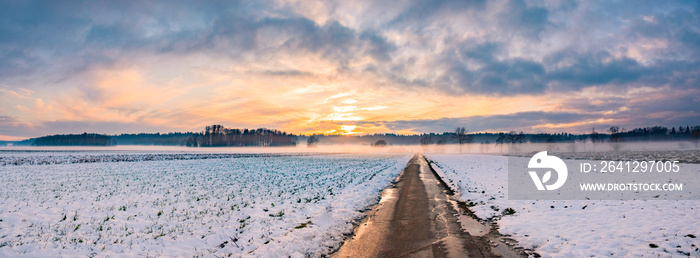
(470, 225)
(389, 193)
(500, 246)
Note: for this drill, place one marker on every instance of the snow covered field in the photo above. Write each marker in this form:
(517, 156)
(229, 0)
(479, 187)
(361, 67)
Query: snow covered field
(30, 158)
(238, 206)
(573, 228)
(684, 156)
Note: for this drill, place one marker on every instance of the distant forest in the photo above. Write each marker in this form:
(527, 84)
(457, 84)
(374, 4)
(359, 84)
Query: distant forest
(85, 139)
(218, 135)
(212, 136)
(174, 139)
(614, 134)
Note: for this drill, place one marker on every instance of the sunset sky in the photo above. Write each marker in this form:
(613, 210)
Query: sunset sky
(349, 67)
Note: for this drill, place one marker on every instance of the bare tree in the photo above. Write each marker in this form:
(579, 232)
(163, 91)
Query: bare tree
(511, 137)
(695, 135)
(614, 129)
(595, 136)
(312, 141)
(425, 141)
(615, 139)
(462, 136)
(379, 143)
(441, 145)
(517, 137)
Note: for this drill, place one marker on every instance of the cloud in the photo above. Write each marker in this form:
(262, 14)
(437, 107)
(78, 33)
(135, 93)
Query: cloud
(480, 71)
(483, 64)
(592, 69)
(516, 121)
(92, 62)
(427, 10)
(530, 21)
(13, 127)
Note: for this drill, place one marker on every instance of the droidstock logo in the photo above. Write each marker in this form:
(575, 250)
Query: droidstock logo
(541, 160)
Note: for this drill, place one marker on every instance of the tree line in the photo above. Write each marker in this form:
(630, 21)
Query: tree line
(172, 139)
(85, 139)
(462, 136)
(218, 135)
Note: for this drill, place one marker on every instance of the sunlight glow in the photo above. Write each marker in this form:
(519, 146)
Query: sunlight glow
(348, 129)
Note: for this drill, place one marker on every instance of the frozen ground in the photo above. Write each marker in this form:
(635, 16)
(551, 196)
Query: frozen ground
(238, 206)
(573, 228)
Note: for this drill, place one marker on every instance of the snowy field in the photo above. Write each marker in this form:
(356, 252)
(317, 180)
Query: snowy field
(248, 205)
(684, 156)
(573, 228)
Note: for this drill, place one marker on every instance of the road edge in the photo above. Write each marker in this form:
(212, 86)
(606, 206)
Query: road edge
(498, 243)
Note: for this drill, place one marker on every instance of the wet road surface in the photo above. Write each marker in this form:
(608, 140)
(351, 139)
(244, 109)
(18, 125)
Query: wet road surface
(413, 219)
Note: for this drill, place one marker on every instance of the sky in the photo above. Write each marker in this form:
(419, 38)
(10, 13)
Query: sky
(347, 67)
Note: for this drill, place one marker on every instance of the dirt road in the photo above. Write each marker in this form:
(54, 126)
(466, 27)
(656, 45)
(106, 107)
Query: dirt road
(413, 219)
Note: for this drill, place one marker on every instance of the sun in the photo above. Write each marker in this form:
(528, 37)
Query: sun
(347, 129)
